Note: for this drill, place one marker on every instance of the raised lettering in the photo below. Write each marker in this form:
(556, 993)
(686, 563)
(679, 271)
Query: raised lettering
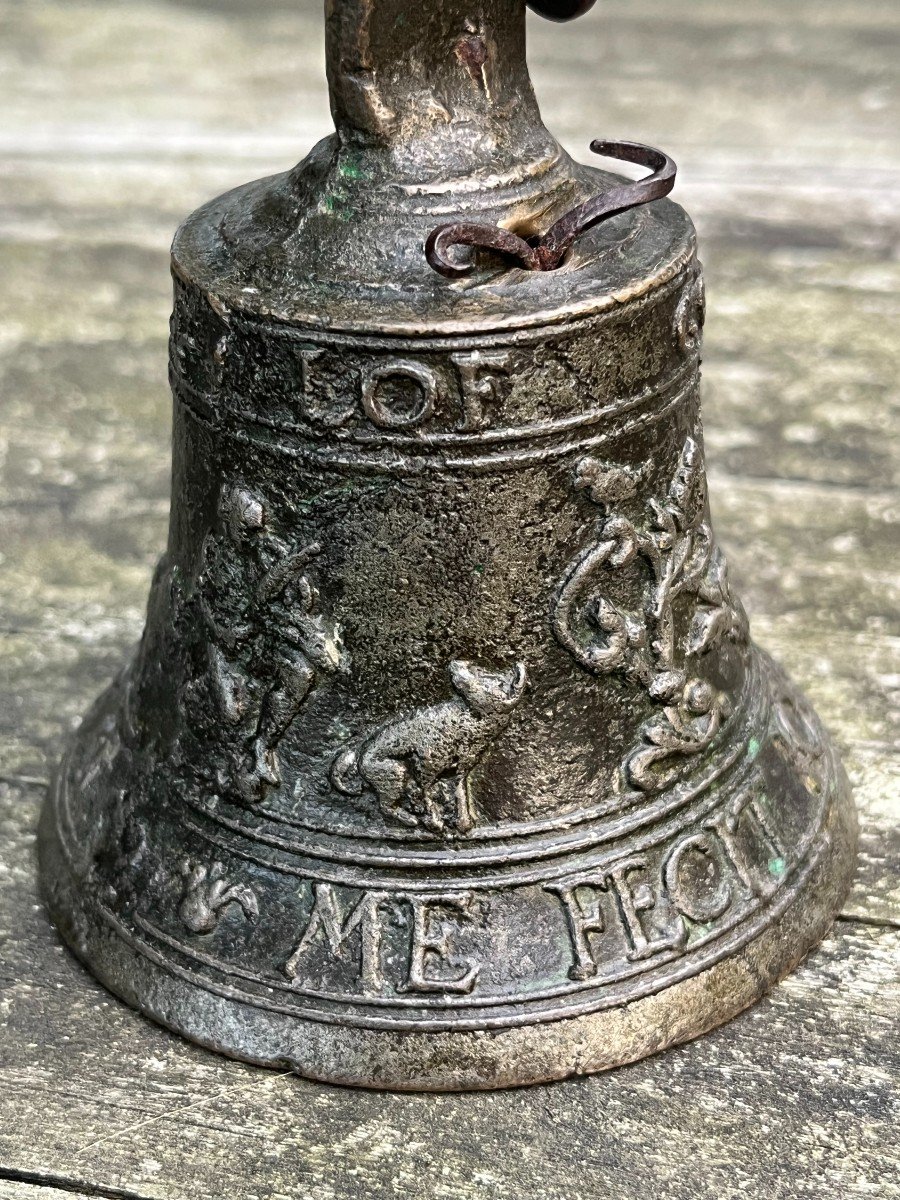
(391, 415)
(321, 402)
(744, 823)
(581, 920)
(635, 898)
(699, 903)
(430, 946)
(337, 927)
(479, 374)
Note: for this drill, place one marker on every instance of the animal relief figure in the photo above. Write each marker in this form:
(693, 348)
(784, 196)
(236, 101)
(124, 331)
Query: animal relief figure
(674, 553)
(267, 641)
(207, 895)
(418, 765)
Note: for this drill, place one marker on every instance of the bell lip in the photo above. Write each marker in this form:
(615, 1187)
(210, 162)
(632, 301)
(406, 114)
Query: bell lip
(465, 1060)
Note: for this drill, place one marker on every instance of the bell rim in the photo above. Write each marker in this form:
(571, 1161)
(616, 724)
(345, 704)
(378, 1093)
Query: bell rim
(537, 1051)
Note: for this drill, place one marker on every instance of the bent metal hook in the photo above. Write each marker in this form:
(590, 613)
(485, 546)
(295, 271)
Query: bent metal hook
(547, 252)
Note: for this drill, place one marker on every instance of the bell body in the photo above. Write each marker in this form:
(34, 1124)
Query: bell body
(446, 759)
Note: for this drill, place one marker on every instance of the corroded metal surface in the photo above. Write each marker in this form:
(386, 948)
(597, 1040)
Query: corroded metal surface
(446, 759)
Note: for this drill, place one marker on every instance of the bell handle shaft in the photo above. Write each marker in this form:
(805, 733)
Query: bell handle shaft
(400, 70)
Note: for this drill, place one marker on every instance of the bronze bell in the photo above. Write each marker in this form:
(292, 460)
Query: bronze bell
(445, 760)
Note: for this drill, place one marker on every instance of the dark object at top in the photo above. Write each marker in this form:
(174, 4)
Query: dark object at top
(561, 10)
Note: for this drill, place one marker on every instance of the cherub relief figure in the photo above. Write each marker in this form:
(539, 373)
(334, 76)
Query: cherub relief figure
(267, 640)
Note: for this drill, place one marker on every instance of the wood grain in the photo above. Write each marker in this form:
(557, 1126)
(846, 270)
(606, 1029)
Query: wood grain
(121, 117)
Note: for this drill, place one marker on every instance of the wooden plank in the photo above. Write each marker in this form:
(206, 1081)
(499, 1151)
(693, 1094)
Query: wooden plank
(121, 118)
(35, 1185)
(31, 1185)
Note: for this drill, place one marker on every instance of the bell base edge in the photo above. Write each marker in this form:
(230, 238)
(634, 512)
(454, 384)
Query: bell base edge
(465, 1060)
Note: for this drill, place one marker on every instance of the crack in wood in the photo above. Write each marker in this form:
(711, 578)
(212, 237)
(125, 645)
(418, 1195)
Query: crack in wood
(855, 918)
(61, 1183)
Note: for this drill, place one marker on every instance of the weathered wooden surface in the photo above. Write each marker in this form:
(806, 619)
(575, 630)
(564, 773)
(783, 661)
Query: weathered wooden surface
(119, 118)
